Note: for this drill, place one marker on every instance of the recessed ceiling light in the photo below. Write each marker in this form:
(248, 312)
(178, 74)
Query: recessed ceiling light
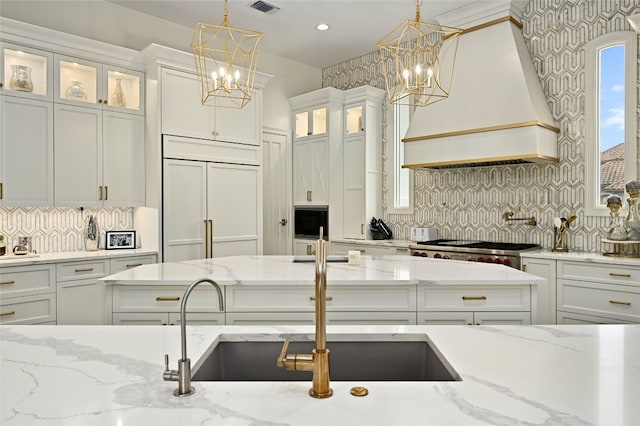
(322, 27)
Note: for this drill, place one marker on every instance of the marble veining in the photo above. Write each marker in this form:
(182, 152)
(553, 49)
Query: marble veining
(511, 375)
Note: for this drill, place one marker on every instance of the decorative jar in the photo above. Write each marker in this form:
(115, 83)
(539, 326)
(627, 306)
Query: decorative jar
(76, 91)
(21, 78)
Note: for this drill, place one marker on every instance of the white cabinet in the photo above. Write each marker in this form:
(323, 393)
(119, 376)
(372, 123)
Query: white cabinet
(26, 152)
(362, 151)
(99, 157)
(543, 268)
(160, 305)
(470, 305)
(80, 297)
(94, 85)
(27, 65)
(602, 292)
(27, 294)
(211, 209)
(184, 115)
(317, 148)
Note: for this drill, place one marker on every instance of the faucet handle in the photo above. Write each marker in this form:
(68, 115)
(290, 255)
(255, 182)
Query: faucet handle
(283, 354)
(169, 375)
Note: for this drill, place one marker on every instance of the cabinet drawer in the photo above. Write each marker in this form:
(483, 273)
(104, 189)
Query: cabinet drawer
(163, 299)
(28, 309)
(604, 300)
(606, 273)
(301, 298)
(81, 270)
(485, 298)
(122, 264)
(27, 280)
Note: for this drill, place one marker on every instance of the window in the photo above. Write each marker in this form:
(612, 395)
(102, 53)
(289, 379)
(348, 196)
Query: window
(611, 140)
(399, 180)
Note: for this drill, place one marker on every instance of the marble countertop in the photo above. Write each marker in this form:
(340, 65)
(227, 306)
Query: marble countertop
(65, 256)
(112, 375)
(281, 270)
(581, 256)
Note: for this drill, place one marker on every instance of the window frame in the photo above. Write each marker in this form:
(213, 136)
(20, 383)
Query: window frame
(393, 163)
(592, 102)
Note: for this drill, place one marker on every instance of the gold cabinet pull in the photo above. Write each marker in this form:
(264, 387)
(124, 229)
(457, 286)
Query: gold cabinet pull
(6, 314)
(524, 268)
(402, 249)
(310, 250)
(617, 302)
(100, 193)
(206, 239)
(7, 282)
(615, 274)
(328, 298)
(167, 299)
(1, 190)
(474, 297)
(133, 265)
(362, 228)
(211, 238)
(308, 195)
(106, 192)
(84, 269)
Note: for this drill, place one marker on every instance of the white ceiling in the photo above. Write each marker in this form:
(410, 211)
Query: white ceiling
(356, 25)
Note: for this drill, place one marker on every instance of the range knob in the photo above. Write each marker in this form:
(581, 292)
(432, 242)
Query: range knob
(480, 259)
(499, 261)
(470, 259)
(506, 262)
(446, 257)
(437, 256)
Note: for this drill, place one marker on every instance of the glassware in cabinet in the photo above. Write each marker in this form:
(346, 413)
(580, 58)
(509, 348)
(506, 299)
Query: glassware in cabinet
(26, 71)
(77, 81)
(125, 89)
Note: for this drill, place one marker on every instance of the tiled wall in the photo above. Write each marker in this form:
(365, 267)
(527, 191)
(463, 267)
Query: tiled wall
(59, 229)
(470, 203)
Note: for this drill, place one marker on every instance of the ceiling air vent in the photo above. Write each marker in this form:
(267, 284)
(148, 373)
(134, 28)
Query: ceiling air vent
(265, 7)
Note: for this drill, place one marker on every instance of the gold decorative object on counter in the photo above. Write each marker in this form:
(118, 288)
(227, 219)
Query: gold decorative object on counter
(616, 231)
(625, 248)
(560, 228)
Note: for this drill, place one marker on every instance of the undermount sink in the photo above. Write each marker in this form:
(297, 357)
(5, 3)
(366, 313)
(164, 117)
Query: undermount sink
(415, 358)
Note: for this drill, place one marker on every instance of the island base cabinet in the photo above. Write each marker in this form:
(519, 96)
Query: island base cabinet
(474, 318)
(161, 318)
(571, 318)
(80, 302)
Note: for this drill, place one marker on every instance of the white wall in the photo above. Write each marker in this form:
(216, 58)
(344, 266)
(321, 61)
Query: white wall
(114, 24)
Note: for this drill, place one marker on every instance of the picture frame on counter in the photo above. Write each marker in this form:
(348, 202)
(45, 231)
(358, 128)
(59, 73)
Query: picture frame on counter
(116, 240)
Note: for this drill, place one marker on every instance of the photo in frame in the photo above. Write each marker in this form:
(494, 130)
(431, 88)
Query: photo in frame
(120, 240)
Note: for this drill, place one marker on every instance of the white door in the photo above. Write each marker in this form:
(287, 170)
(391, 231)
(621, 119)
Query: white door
(354, 188)
(184, 210)
(277, 190)
(182, 113)
(239, 125)
(234, 206)
(123, 159)
(78, 156)
(26, 152)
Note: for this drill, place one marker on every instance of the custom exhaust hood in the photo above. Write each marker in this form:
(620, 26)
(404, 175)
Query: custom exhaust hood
(496, 113)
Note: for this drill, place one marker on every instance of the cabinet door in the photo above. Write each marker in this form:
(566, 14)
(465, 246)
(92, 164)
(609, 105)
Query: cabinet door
(239, 125)
(78, 82)
(26, 62)
(501, 318)
(123, 159)
(234, 203)
(439, 318)
(181, 110)
(78, 158)
(26, 152)
(544, 268)
(310, 172)
(81, 302)
(36, 309)
(354, 188)
(184, 210)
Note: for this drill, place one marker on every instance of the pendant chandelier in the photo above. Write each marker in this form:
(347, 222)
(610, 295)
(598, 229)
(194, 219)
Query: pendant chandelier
(418, 59)
(226, 59)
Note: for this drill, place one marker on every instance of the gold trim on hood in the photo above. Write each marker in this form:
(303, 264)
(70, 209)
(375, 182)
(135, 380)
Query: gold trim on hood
(488, 161)
(483, 129)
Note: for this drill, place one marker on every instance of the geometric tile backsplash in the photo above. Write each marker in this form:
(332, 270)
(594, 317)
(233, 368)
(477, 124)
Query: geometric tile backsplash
(60, 228)
(470, 203)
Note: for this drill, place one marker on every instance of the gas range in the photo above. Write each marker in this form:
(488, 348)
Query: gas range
(474, 251)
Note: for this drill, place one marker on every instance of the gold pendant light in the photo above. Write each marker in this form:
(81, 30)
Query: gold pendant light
(226, 59)
(418, 59)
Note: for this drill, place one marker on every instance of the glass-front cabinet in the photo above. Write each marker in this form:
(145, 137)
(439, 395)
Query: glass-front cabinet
(95, 85)
(311, 122)
(26, 72)
(354, 119)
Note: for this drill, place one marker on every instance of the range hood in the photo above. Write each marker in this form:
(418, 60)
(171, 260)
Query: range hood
(496, 112)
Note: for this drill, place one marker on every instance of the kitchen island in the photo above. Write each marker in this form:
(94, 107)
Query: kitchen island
(276, 290)
(535, 375)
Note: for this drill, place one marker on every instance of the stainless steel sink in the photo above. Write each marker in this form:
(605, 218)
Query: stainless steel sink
(351, 360)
